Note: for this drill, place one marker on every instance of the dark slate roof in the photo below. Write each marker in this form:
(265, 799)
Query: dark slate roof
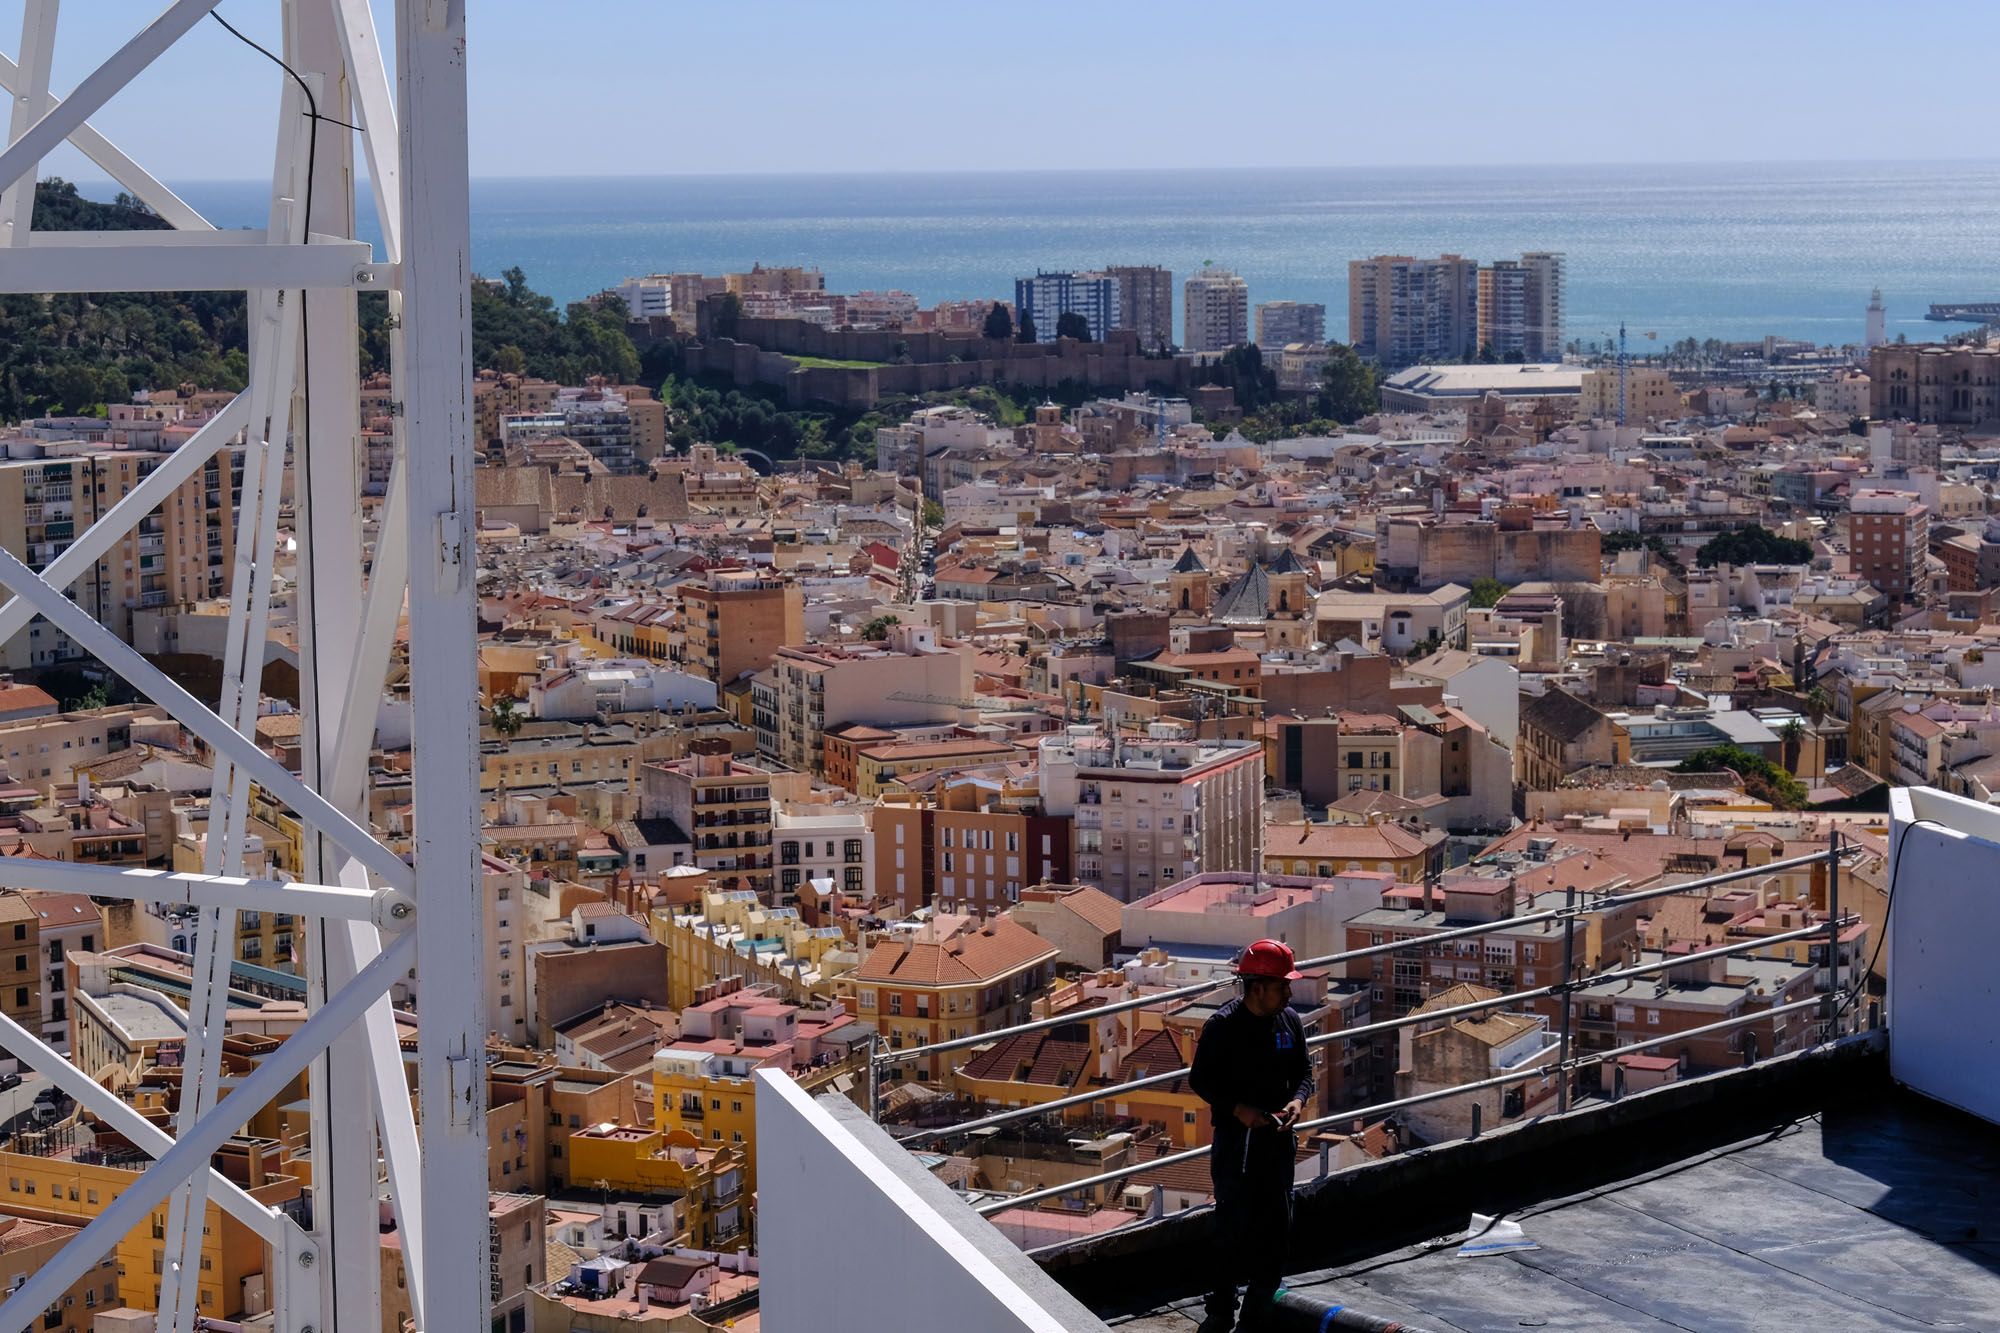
(1561, 714)
(1189, 563)
(1247, 601)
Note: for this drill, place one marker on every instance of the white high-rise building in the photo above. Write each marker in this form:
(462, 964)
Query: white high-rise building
(647, 297)
(1878, 322)
(1283, 322)
(1215, 311)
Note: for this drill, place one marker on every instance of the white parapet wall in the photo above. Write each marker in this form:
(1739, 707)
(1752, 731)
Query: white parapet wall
(853, 1233)
(1944, 907)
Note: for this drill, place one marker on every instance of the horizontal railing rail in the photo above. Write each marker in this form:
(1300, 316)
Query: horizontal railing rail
(1556, 1070)
(1746, 944)
(1194, 990)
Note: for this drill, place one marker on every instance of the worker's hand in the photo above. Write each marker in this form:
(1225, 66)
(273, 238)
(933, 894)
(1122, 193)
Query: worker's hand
(1289, 1113)
(1251, 1117)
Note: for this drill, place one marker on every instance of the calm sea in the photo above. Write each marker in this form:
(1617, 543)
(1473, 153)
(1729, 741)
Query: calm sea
(1730, 251)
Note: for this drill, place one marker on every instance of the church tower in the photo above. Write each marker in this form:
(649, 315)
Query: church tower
(1189, 587)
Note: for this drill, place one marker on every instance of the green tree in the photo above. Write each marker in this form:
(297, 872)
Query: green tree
(75, 388)
(1349, 388)
(999, 324)
(1753, 544)
(1025, 332)
(1761, 778)
(94, 697)
(877, 629)
(509, 359)
(1487, 355)
(933, 515)
(1487, 592)
(1072, 324)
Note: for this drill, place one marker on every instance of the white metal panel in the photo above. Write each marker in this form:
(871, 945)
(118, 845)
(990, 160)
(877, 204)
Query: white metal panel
(1944, 853)
(31, 102)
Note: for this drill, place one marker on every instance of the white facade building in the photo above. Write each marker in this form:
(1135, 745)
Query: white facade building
(1215, 311)
(1047, 297)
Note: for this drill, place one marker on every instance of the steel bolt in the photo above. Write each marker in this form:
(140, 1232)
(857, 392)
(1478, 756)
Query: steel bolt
(305, 1259)
(399, 910)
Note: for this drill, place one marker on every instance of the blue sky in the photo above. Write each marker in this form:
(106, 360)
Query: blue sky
(647, 87)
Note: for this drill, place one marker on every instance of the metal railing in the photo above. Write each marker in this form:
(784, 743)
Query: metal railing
(1560, 1070)
(1564, 990)
(1569, 912)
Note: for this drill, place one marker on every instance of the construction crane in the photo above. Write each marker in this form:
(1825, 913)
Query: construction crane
(1622, 364)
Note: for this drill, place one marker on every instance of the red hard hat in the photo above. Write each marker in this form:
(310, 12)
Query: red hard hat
(1268, 958)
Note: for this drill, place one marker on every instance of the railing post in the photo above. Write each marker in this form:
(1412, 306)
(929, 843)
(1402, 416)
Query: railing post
(1569, 976)
(874, 1086)
(1477, 1109)
(1833, 933)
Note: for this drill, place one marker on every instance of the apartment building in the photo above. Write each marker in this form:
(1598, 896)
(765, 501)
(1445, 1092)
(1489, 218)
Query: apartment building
(1145, 303)
(20, 960)
(1045, 298)
(495, 397)
(1215, 311)
(181, 552)
(1149, 809)
(953, 976)
(905, 680)
(1520, 307)
(702, 1082)
(779, 280)
(1648, 396)
(649, 297)
(969, 844)
(723, 805)
(831, 842)
(70, 1175)
(1402, 310)
(1888, 539)
(735, 621)
(1280, 323)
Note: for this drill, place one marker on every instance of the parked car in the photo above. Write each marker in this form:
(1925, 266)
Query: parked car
(9, 1081)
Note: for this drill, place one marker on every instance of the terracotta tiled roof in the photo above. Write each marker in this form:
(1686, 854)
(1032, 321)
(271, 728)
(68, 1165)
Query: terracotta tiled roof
(1032, 1057)
(969, 954)
(1354, 842)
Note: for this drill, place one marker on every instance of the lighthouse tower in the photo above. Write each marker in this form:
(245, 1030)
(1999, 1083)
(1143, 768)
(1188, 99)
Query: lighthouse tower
(1878, 321)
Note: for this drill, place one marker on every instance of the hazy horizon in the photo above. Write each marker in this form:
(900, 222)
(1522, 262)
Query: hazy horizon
(630, 88)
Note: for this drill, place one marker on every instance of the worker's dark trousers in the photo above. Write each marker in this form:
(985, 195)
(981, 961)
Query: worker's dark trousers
(1253, 1216)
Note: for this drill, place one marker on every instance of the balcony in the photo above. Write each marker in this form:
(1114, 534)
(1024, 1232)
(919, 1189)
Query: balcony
(1853, 1188)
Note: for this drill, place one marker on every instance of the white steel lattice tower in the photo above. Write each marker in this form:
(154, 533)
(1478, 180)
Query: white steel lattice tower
(372, 915)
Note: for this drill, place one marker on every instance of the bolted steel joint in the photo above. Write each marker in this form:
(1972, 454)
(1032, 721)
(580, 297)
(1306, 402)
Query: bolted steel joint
(306, 1258)
(394, 910)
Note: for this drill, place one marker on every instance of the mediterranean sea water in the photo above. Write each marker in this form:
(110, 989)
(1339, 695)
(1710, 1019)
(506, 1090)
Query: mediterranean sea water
(1733, 251)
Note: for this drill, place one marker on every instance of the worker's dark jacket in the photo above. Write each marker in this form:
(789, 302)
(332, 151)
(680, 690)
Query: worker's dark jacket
(1242, 1059)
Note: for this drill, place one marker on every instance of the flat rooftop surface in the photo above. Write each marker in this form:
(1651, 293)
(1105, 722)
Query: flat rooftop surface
(1882, 1215)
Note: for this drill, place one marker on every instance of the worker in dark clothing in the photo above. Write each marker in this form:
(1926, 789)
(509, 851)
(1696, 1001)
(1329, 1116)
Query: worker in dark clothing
(1252, 1068)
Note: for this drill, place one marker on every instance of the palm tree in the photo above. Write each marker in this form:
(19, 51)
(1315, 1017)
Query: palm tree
(1793, 734)
(1818, 702)
(505, 720)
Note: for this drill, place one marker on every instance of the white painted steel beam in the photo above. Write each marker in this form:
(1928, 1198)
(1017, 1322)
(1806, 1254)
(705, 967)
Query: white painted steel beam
(192, 1151)
(139, 182)
(382, 907)
(31, 102)
(185, 261)
(376, 115)
(433, 373)
(153, 490)
(98, 87)
(146, 1136)
(198, 718)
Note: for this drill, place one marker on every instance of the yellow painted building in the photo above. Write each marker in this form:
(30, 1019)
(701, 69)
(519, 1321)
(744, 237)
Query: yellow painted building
(735, 936)
(711, 1182)
(65, 1187)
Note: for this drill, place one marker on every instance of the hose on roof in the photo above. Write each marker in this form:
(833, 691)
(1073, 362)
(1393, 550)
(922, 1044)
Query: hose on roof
(1295, 1312)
